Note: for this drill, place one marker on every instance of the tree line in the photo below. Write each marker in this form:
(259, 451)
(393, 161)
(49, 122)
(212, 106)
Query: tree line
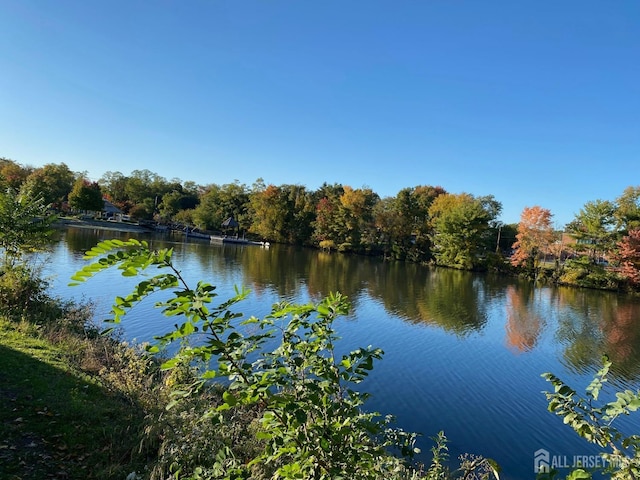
(423, 223)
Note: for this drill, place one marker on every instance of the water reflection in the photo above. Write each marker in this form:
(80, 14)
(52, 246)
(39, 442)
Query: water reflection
(582, 324)
(524, 318)
(464, 352)
(454, 301)
(593, 323)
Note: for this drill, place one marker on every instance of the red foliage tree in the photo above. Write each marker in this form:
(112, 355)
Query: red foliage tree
(629, 256)
(535, 234)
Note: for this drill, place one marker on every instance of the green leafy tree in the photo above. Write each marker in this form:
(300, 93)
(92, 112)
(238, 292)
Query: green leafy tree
(53, 181)
(113, 184)
(627, 209)
(175, 201)
(403, 222)
(170, 205)
(142, 211)
(184, 217)
(593, 228)
(25, 225)
(139, 186)
(86, 195)
(220, 202)
(460, 223)
(301, 213)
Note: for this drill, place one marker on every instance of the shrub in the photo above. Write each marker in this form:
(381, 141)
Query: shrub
(594, 423)
(23, 292)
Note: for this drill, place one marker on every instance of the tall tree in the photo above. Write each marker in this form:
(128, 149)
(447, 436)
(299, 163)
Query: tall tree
(356, 216)
(86, 195)
(113, 185)
(402, 222)
(140, 186)
(535, 234)
(53, 181)
(627, 209)
(459, 223)
(388, 226)
(12, 174)
(281, 214)
(220, 202)
(593, 228)
(268, 213)
(326, 229)
(629, 257)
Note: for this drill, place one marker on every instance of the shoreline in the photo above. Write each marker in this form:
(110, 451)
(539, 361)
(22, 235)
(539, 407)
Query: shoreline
(100, 224)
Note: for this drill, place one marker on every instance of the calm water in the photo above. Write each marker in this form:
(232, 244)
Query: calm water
(463, 352)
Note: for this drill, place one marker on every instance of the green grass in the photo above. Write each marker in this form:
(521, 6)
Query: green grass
(55, 420)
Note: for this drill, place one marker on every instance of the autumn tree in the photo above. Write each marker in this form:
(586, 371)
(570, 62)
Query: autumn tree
(281, 214)
(86, 195)
(12, 174)
(535, 234)
(629, 257)
(327, 231)
(268, 214)
(389, 227)
(53, 181)
(355, 213)
(460, 223)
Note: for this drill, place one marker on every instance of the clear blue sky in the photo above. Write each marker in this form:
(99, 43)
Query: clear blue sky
(534, 102)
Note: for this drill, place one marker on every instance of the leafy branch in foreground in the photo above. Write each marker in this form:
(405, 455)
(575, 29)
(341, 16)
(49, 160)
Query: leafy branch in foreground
(25, 225)
(311, 422)
(594, 423)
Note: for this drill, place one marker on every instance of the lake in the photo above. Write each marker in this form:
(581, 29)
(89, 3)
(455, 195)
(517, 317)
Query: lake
(463, 351)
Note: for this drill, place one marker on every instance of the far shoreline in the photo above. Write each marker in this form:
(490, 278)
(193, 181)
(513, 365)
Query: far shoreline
(100, 224)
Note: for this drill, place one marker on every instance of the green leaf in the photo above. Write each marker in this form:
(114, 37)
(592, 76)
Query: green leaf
(579, 474)
(229, 399)
(129, 272)
(169, 364)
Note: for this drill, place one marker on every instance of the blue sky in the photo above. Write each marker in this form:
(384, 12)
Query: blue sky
(536, 103)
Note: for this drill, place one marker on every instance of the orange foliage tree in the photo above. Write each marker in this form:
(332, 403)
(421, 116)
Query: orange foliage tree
(535, 234)
(629, 256)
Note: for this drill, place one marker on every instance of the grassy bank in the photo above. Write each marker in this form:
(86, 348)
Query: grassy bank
(75, 404)
(61, 416)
